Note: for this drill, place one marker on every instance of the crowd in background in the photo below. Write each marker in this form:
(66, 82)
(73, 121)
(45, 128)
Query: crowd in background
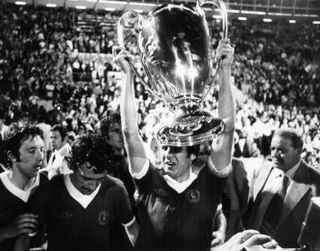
(43, 80)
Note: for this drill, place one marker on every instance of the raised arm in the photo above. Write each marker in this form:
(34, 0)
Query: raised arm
(133, 141)
(222, 146)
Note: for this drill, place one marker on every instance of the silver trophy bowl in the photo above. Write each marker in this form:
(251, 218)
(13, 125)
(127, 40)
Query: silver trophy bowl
(173, 44)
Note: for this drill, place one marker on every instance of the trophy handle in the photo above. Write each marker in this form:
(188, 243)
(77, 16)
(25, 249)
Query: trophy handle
(223, 11)
(224, 14)
(128, 20)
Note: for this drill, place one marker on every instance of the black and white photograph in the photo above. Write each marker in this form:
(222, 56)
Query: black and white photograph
(159, 125)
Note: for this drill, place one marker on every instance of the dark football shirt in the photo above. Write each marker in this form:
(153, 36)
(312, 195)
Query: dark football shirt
(173, 221)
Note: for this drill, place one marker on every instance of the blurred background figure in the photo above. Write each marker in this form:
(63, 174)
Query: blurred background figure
(57, 163)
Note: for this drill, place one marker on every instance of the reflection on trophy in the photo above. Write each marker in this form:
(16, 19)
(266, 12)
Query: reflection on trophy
(174, 49)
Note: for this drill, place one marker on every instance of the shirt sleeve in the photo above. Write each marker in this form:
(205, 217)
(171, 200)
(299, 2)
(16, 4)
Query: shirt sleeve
(125, 213)
(220, 173)
(142, 172)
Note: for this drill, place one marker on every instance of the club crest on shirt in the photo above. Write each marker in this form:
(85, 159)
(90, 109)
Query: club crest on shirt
(64, 217)
(160, 192)
(103, 217)
(193, 196)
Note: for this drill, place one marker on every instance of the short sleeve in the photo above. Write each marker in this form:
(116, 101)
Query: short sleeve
(144, 184)
(125, 213)
(220, 173)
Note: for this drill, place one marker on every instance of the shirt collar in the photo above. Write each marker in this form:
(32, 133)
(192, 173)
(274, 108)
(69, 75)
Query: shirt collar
(16, 191)
(179, 187)
(83, 199)
(292, 171)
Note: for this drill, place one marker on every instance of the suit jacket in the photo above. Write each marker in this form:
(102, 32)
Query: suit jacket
(305, 185)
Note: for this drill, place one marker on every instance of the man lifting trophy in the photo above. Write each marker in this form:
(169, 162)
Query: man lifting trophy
(177, 202)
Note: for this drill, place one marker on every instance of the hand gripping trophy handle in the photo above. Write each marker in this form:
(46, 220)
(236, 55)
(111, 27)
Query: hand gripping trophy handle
(224, 16)
(223, 11)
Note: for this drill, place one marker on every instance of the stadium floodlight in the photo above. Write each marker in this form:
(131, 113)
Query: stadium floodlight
(233, 11)
(138, 10)
(20, 3)
(242, 18)
(306, 15)
(80, 7)
(291, 21)
(109, 9)
(316, 22)
(253, 12)
(217, 16)
(267, 20)
(51, 5)
(280, 14)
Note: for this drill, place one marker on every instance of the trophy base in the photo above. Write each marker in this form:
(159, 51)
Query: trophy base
(190, 129)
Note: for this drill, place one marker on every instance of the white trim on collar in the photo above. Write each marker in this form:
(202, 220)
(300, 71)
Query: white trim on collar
(83, 199)
(179, 187)
(16, 191)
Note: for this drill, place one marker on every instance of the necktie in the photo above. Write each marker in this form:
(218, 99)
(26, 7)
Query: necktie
(53, 158)
(285, 185)
(272, 215)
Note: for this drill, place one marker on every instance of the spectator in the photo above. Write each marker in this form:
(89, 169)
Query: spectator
(57, 163)
(282, 189)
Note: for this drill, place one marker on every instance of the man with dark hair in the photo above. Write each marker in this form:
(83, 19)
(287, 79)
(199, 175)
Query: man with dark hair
(282, 190)
(178, 204)
(110, 129)
(25, 151)
(57, 163)
(79, 210)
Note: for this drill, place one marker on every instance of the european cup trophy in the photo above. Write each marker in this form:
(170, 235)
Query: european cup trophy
(173, 44)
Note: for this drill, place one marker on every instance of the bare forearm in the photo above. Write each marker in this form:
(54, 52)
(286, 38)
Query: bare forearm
(226, 106)
(133, 141)
(128, 108)
(222, 146)
(221, 221)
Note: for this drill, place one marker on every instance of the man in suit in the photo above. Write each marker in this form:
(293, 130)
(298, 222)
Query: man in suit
(57, 163)
(281, 190)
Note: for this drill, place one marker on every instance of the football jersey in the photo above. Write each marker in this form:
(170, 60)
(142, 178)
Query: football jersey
(70, 226)
(13, 203)
(177, 221)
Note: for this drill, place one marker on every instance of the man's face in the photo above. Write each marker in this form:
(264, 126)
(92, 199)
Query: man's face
(176, 162)
(31, 154)
(57, 141)
(284, 156)
(115, 136)
(85, 180)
